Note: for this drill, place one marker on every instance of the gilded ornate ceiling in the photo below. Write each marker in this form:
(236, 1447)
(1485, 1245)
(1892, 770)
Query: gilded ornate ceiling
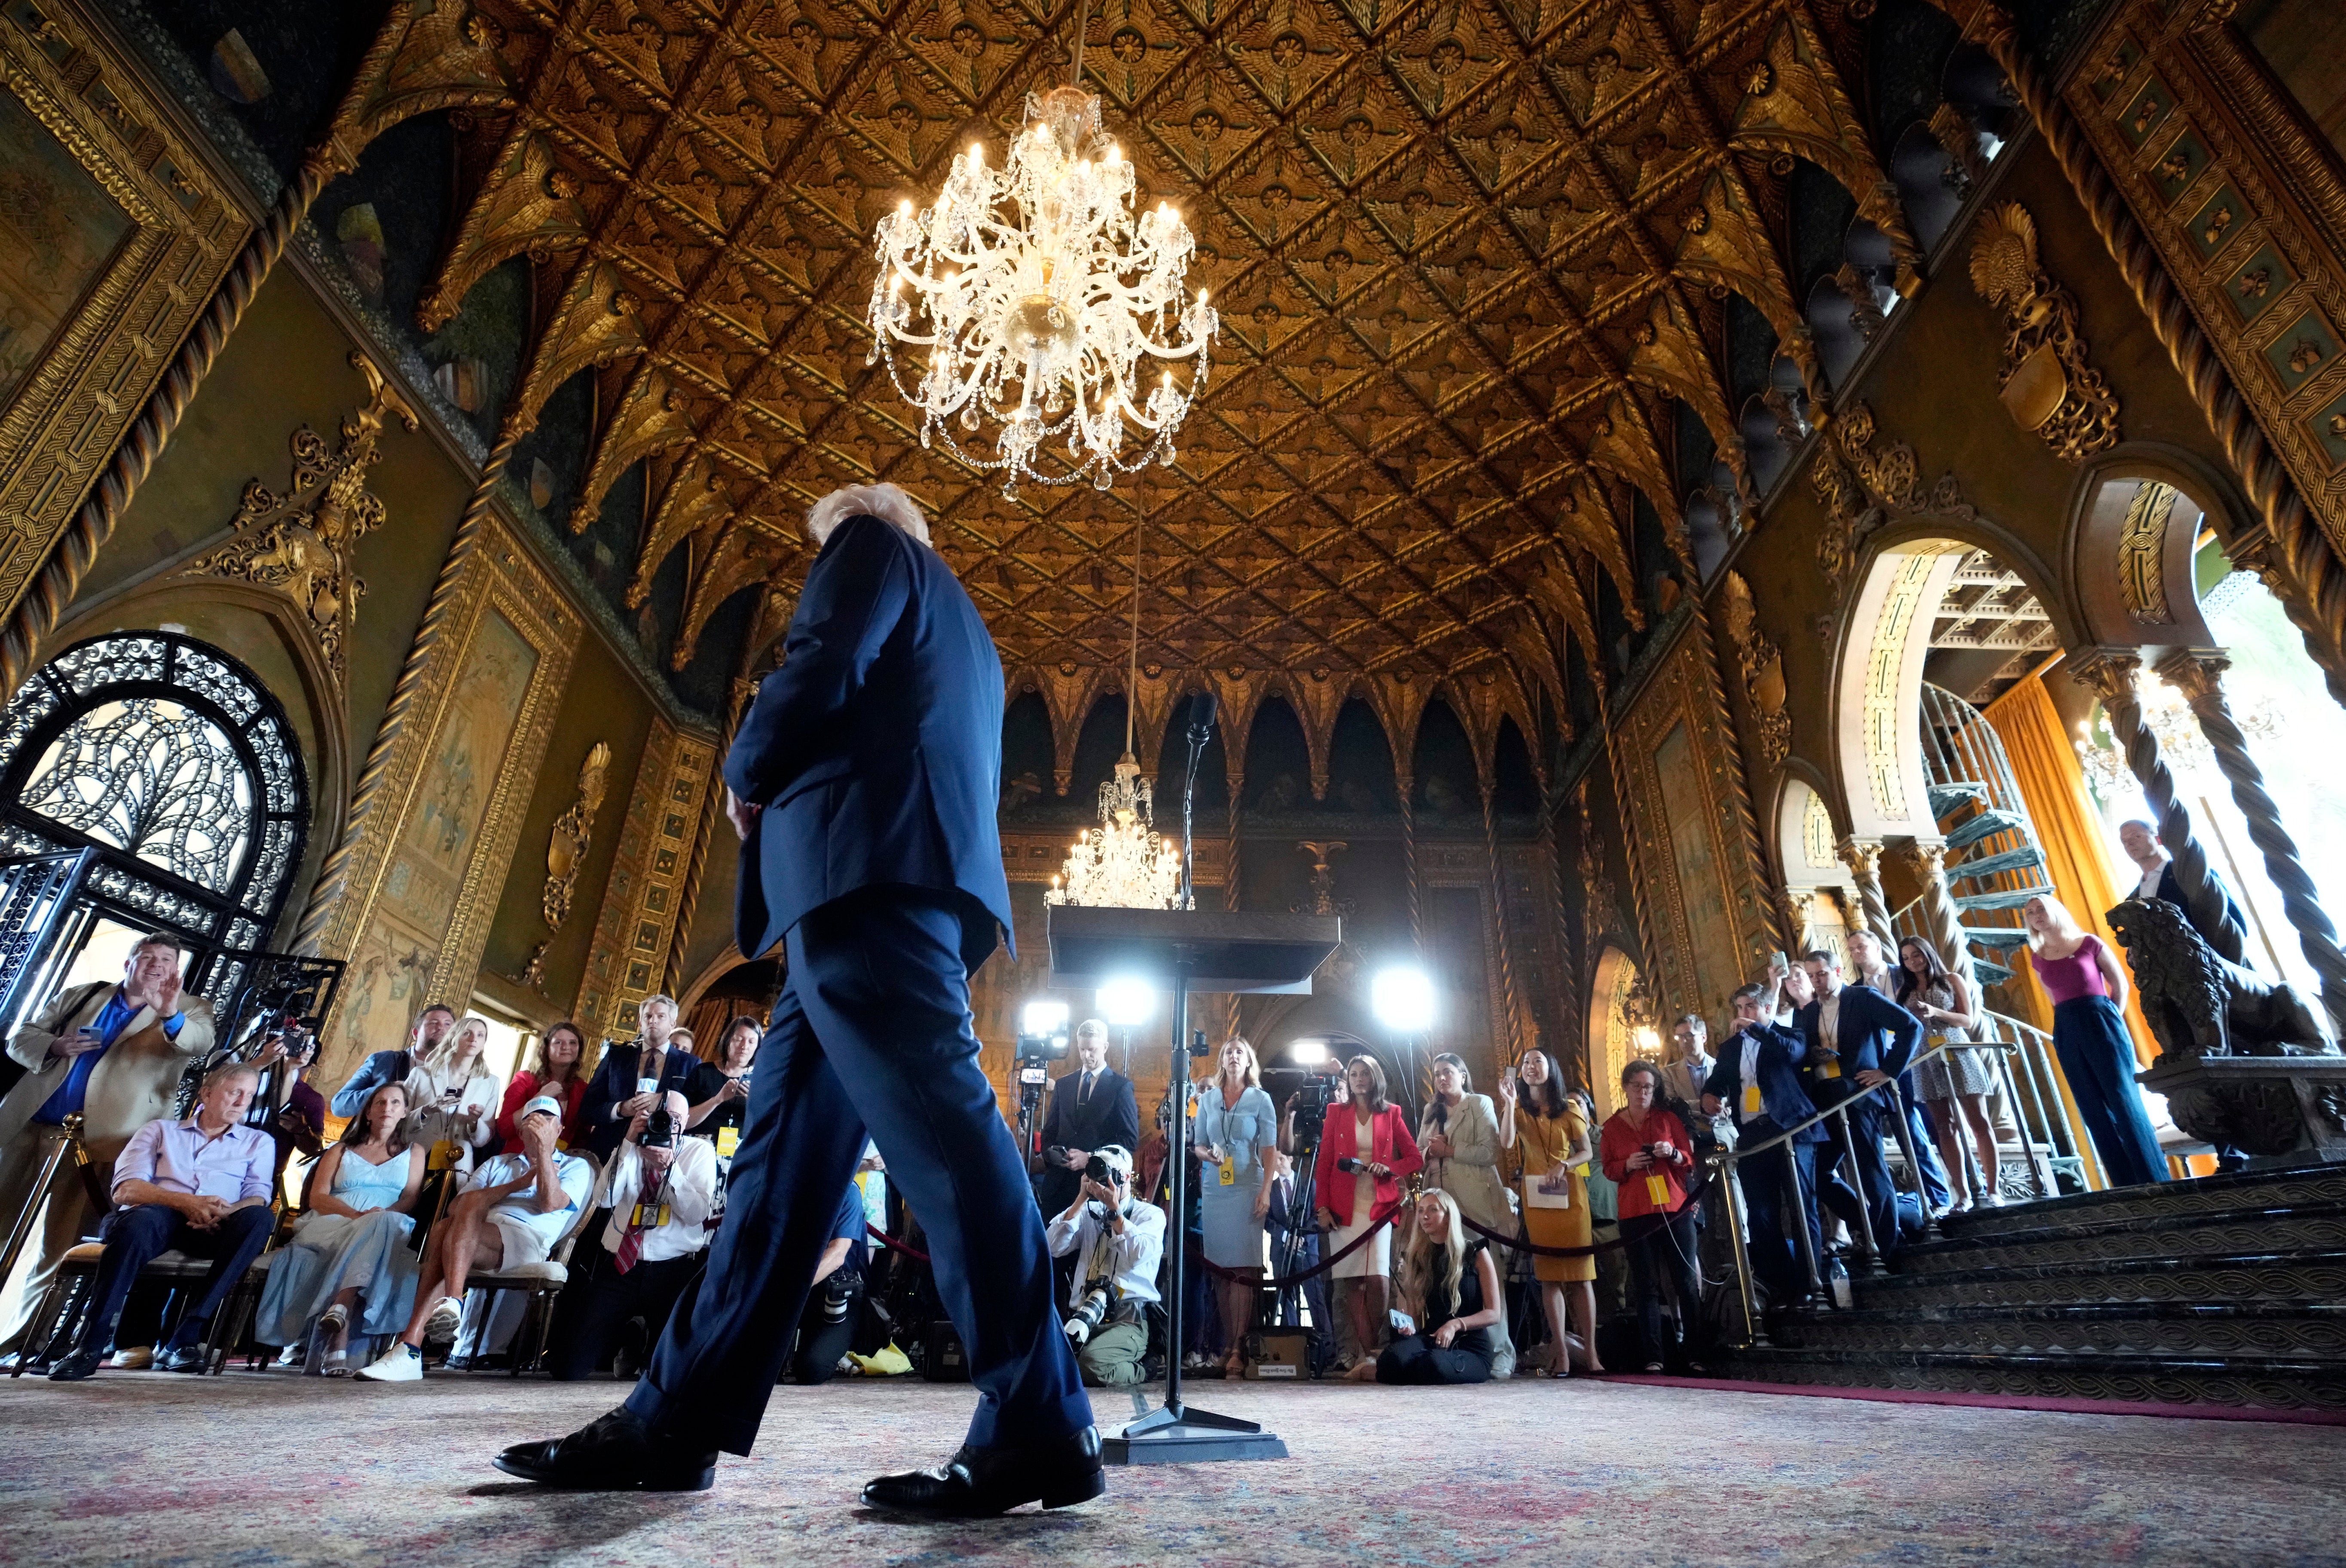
(1467, 252)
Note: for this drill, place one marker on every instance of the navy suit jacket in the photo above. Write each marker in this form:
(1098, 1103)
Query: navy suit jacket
(1874, 1032)
(614, 1080)
(1781, 1051)
(876, 749)
(2170, 888)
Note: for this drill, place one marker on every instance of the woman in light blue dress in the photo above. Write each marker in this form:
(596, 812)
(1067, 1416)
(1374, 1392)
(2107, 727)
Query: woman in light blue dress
(1236, 1128)
(349, 1258)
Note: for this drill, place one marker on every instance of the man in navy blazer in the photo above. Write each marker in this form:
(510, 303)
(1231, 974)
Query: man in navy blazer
(1857, 1039)
(863, 783)
(1756, 1077)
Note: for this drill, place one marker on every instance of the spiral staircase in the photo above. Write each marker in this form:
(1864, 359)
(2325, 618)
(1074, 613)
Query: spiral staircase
(1994, 863)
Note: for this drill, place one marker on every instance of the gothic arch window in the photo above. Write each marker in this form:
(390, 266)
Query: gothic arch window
(171, 759)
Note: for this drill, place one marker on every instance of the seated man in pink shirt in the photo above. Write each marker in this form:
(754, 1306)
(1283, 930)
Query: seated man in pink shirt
(202, 1186)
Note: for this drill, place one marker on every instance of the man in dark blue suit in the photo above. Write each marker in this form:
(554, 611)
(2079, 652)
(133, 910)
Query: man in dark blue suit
(863, 783)
(1756, 1077)
(1857, 1039)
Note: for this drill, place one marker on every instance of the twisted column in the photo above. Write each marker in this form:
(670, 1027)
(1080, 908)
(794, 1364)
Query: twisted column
(2114, 675)
(1499, 910)
(334, 875)
(1864, 859)
(1566, 969)
(2197, 674)
(2293, 557)
(1927, 858)
(1409, 859)
(36, 615)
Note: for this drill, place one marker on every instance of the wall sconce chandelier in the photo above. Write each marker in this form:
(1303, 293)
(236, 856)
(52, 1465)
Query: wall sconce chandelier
(1039, 297)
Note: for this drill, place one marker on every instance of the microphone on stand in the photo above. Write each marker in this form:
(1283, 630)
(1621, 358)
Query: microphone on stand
(1201, 729)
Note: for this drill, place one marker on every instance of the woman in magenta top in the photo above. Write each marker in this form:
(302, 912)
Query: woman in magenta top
(2087, 986)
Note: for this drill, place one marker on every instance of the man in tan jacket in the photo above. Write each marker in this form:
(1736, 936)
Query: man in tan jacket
(113, 1054)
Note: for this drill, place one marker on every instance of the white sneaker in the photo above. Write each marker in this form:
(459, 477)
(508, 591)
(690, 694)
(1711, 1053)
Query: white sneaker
(402, 1363)
(446, 1315)
(1992, 1200)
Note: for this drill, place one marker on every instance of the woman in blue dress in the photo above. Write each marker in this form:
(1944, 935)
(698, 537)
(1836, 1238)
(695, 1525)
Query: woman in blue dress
(348, 1259)
(1236, 1130)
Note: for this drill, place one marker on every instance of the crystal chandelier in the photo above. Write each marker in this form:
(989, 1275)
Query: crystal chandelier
(1122, 863)
(1038, 298)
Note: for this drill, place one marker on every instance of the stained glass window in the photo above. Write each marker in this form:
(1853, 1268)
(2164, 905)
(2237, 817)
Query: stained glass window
(173, 756)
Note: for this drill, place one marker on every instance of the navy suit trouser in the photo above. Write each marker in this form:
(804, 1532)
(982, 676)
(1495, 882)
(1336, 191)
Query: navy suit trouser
(1861, 1146)
(1767, 1200)
(137, 1235)
(872, 1032)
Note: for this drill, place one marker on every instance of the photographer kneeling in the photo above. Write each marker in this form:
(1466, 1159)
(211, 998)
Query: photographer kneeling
(1118, 1242)
(826, 1325)
(660, 1191)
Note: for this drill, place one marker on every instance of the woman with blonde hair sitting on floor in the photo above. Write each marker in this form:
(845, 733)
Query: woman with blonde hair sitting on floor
(348, 1260)
(1450, 1288)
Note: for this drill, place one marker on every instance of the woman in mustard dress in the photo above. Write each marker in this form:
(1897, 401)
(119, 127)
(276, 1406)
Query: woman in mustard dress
(1551, 1136)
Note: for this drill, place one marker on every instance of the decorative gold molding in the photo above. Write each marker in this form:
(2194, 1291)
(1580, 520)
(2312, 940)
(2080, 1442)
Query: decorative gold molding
(303, 544)
(105, 358)
(2142, 555)
(1863, 489)
(1762, 664)
(574, 831)
(1693, 969)
(2046, 383)
(420, 873)
(628, 959)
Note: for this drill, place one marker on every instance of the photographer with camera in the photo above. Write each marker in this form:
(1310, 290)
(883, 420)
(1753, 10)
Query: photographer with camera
(827, 1323)
(661, 1190)
(1091, 1107)
(1117, 1242)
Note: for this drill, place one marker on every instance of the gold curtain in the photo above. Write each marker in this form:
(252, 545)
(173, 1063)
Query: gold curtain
(2077, 858)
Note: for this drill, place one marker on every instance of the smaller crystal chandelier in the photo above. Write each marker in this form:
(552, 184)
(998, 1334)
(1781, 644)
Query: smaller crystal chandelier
(1122, 863)
(1038, 297)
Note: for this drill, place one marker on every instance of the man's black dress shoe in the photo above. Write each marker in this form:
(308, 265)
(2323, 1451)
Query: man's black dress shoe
(979, 1483)
(186, 1358)
(613, 1452)
(75, 1368)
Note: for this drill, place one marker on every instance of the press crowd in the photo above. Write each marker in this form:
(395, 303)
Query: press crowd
(1469, 1241)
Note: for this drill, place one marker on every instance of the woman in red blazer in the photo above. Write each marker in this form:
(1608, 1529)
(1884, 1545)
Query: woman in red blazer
(1364, 1154)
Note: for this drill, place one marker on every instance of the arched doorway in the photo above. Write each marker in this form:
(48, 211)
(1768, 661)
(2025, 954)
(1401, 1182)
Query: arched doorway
(174, 763)
(1616, 1032)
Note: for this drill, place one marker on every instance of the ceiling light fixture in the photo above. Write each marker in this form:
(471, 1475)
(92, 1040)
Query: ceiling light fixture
(1039, 299)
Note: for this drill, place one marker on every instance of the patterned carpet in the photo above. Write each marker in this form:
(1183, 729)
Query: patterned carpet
(269, 1469)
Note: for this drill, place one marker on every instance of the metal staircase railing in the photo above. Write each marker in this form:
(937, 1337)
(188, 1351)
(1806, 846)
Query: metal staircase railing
(1995, 861)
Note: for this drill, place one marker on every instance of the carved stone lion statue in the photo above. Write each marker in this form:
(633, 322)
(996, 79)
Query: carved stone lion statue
(2199, 1004)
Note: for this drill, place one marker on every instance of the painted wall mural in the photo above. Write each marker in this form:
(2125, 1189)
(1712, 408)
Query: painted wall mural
(418, 905)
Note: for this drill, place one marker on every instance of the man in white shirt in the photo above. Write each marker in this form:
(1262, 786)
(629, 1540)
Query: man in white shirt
(515, 1209)
(661, 1190)
(1117, 1243)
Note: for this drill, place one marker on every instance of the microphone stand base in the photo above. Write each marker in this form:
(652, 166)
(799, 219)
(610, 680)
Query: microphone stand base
(1179, 1434)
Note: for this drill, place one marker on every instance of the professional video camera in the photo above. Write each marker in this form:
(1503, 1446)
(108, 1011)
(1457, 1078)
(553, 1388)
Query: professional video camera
(1320, 1088)
(1042, 1037)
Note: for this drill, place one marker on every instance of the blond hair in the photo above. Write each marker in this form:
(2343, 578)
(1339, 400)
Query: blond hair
(2058, 922)
(1252, 1076)
(1417, 1261)
(443, 1054)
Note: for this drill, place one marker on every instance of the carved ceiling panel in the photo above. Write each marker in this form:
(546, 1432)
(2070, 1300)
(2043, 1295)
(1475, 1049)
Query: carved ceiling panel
(1465, 252)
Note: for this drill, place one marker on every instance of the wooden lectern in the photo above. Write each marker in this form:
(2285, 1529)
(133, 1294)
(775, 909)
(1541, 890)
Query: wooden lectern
(1186, 950)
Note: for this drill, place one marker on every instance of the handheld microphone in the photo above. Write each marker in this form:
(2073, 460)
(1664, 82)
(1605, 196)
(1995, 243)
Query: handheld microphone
(1201, 718)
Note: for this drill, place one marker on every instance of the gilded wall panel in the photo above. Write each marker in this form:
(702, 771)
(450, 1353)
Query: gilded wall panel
(1704, 893)
(2175, 113)
(420, 900)
(643, 897)
(120, 236)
